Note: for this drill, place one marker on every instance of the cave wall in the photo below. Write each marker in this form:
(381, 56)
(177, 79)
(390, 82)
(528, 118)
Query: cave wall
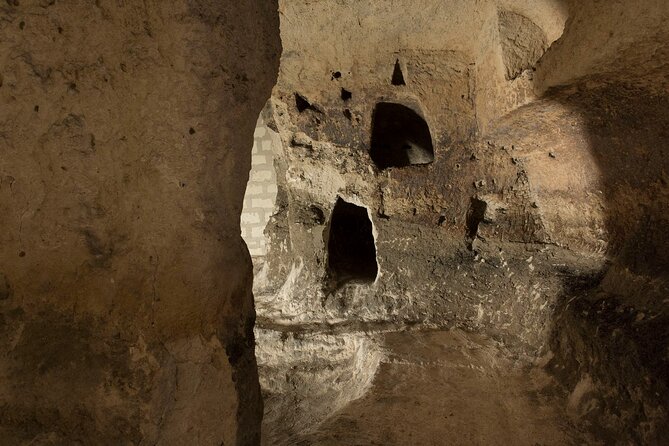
(623, 40)
(453, 67)
(125, 305)
(541, 219)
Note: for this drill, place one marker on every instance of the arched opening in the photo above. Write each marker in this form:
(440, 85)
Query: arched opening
(400, 137)
(351, 248)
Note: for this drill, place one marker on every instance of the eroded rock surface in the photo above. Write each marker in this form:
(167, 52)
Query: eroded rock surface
(438, 388)
(534, 217)
(313, 374)
(502, 163)
(126, 311)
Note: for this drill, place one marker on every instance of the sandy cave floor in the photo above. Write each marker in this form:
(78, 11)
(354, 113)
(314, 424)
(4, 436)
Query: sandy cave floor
(444, 388)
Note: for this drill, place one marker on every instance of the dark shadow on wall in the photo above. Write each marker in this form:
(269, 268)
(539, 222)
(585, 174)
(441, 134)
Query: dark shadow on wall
(611, 332)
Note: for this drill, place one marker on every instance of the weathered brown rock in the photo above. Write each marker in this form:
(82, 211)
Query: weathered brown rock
(518, 228)
(125, 143)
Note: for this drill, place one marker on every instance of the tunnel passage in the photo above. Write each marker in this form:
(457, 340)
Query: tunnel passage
(351, 249)
(400, 137)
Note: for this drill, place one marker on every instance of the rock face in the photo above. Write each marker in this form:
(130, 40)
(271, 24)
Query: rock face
(125, 305)
(308, 376)
(533, 210)
(413, 154)
(476, 185)
(523, 43)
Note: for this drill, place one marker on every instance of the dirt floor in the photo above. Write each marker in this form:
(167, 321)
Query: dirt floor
(447, 388)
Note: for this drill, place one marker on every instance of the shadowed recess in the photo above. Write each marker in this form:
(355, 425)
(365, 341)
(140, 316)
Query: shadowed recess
(400, 137)
(351, 249)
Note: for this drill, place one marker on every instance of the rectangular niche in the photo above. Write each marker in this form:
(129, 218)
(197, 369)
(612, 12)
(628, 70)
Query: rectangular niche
(351, 248)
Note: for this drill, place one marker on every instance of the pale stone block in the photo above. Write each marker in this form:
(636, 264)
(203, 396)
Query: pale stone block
(257, 232)
(267, 145)
(258, 160)
(250, 218)
(261, 176)
(260, 132)
(253, 189)
(262, 203)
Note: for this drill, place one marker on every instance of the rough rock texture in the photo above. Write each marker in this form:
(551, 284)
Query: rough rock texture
(535, 219)
(413, 209)
(125, 305)
(523, 43)
(540, 221)
(438, 388)
(313, 374)
(620, 311)
(620, 39)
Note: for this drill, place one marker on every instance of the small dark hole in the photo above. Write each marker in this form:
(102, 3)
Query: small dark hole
(345, 94)
(301, 103)
(60, 30)
(317, 214)
(36, 108)
(442, 220)
(336, 75)
(348, 114)
(22, 254)
(398, 76)
(191, 131)
(475, 216)
(22, 25)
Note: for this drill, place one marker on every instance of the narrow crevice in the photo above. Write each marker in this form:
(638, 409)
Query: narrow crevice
(475, 216)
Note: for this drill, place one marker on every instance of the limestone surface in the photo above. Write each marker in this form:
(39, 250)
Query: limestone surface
(126, 128)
